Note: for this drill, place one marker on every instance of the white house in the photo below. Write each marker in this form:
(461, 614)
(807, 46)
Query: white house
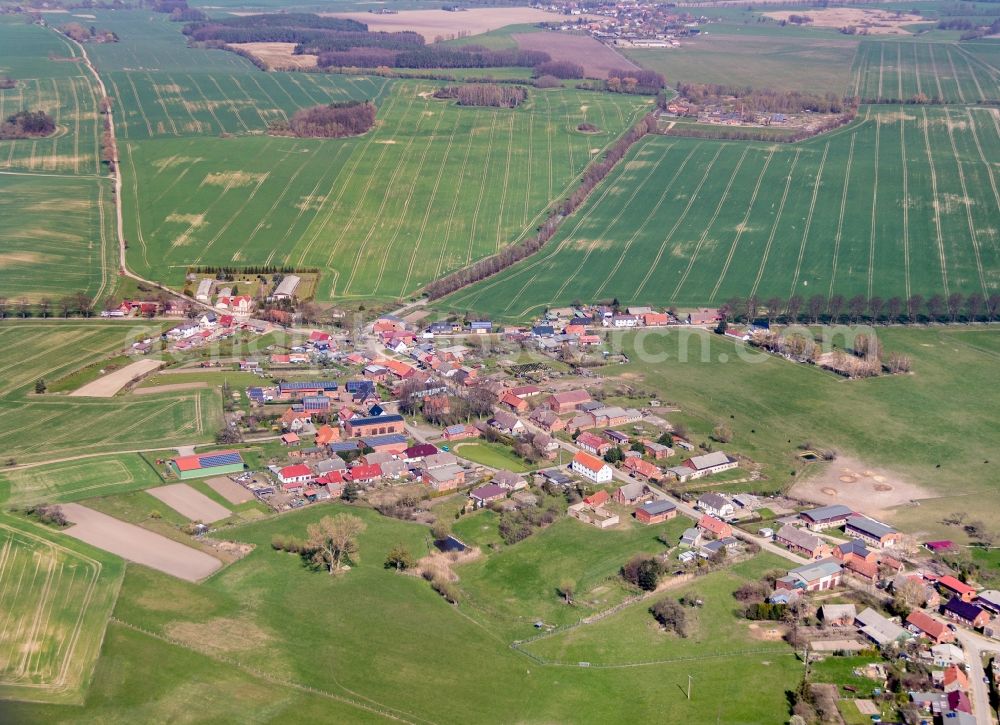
(590, 467)
(717, 505)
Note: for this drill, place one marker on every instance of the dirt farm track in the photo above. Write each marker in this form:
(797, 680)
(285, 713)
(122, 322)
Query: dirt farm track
(138, 545)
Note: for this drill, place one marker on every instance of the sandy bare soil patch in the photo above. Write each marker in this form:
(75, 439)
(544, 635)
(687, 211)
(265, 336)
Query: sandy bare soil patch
(229, 490)
(107, 386)
(873, 491)
(169, 388)
(440, 23)
(595, 57)
(137, 544)
(767, 632)
(191, 503)
(874, 22)
(278, 56)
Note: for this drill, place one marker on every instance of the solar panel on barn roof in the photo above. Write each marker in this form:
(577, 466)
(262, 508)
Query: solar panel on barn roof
(219, 459)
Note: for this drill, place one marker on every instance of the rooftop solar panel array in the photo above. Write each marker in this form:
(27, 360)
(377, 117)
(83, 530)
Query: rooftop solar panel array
(219, 459)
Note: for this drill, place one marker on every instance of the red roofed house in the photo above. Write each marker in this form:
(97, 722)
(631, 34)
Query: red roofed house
(365, 473)
(955, 679)
(642, 469)
(297, 473)
(593, 468)
(921, 622)
(513, 402)
(720, 529)
(593, 444)
(597, 499)
(951, 585)
(327, 434)
(290, 439)
(318, 336)
(655, 318)
(295, 420)
(568, 401)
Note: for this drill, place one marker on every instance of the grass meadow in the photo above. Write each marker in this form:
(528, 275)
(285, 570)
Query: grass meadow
(54, 602)
(79, 479)
(902, 201)
(378, 639)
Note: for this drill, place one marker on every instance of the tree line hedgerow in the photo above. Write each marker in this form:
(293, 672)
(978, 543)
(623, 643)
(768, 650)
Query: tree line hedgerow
(27, 124)
(508, 256)
(335, 120)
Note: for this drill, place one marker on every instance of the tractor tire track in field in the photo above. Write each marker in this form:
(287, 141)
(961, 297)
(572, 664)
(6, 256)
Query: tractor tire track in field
(972, 72)
(396, 174)
(138, 105)
(548, 137)
(196, 125)
(649, 217)
(881, 67)
(967, 203)
(809, 216)
(527, 176)
(916, 69)
(482, 190)
(954, 74)
(934, 70)
(429, 208)
(406, 205)
(506, 182)
(208, 103)
(163, 105)
(743, 224)
(871, 240)
(935, 204)
(774, 227)
(288, 184)
(610, 224)
(274, 103)
(454, 207)
(899, 70)
(840, 223)
(77, 112)
(906, 207)
(229, 103)
(708, 225)
(982, 157)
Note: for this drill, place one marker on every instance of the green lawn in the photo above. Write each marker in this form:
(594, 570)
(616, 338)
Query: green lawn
(494, 455)
(692, 222)
(478, 529)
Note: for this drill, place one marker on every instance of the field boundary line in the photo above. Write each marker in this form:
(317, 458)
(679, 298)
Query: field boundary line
(967, 203)
(743, 225)
(809, 215)
(843, 208)
(649, 217)
(936, 204)
(774, 227)
(708, 226)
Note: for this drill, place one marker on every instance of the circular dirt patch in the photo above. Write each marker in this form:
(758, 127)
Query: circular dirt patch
(880, 479)
(882, 487)
(848, 479)
(830, 491)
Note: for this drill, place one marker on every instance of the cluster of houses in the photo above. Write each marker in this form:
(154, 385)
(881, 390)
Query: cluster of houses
(209, 327)
(225, 297)
(635, 25)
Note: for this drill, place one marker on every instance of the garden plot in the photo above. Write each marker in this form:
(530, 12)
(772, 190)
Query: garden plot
(109, 385)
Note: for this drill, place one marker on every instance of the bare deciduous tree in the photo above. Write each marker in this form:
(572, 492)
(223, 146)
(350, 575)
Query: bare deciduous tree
(334, 540)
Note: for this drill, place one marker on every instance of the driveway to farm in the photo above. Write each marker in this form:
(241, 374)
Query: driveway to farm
(110, 384)
(137, 544)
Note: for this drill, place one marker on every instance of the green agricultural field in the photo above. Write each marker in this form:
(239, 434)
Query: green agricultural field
(434, 187)
(58, 238)
(797, 60)
(54, 604)
(51, 426)
(773, 406)
(376, 638)
(79, 479)
(901, 202)
(899, 70)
